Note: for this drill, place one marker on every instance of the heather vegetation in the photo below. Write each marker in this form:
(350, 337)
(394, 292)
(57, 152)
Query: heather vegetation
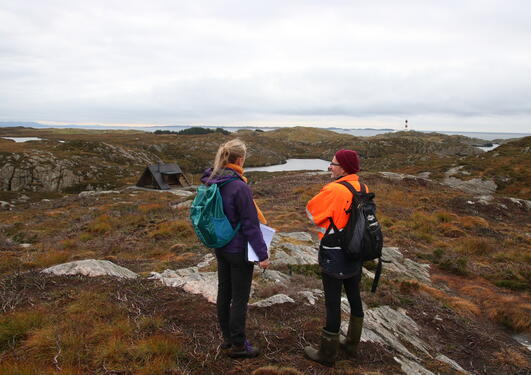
(479, 253)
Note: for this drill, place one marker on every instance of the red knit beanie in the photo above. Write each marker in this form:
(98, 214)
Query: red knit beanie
(349, 160)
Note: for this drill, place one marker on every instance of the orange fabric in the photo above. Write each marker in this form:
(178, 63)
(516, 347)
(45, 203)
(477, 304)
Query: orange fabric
(332, 201)
(236, 168)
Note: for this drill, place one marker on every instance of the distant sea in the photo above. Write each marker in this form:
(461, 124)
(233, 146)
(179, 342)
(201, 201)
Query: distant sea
(367, 132)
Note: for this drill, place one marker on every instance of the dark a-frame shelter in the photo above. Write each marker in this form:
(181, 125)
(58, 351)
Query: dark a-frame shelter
(162, 177)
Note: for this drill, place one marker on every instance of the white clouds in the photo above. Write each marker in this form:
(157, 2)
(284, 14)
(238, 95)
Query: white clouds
(234, 62)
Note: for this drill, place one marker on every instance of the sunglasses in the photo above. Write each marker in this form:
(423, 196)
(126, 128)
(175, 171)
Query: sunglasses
(334, 164)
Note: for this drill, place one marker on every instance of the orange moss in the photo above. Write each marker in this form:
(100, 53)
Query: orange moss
(512, 357)
(473, 222)
(102, 224)
(50, 258)
(150, 207)
(168, 229)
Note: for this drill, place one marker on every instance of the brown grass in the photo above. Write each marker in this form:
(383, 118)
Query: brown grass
(513, 358)
(474, 246)
(102, 224)
(272, 370)
(462, 306)
(151, 207)
(172, 229)
(50, 258)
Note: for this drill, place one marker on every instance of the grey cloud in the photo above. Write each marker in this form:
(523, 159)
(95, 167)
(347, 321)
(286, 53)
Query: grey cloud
(236, 60)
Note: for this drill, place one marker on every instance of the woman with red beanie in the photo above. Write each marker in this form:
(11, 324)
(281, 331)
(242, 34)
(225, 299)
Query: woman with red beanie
(328, 211)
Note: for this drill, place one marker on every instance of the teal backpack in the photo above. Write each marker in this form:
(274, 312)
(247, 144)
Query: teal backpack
(208, 219)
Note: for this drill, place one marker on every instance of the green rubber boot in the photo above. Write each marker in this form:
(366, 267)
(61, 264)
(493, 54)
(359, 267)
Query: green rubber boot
(327, 352)
(350, 343)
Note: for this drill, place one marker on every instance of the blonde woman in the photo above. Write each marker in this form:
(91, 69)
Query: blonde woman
(235, 272)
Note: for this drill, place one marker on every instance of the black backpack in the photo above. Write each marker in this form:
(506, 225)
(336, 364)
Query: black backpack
(362, 237)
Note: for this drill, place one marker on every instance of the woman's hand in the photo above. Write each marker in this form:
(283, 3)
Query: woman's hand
(264, 264)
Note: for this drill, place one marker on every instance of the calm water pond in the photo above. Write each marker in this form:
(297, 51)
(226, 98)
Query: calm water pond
(294, 165)
(23, 139)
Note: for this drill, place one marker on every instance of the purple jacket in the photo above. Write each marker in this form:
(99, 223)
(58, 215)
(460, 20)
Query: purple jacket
(239, 207)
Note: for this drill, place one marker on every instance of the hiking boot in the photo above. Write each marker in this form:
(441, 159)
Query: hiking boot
(243, 351)
(327, 352)
(226, 345)
(350, 343)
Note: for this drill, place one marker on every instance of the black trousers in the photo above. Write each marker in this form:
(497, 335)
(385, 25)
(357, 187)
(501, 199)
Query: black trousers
(235, 274)
(332, 290)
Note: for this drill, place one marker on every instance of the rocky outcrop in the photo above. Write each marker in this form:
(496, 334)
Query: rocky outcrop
(382, 325)
(472, 186)
(406, 268)
(273, 300)
(93, 165)
(393, 328)
(92, 268)
(191, 280)
(293, 248)
(476, 186)
(39, 171)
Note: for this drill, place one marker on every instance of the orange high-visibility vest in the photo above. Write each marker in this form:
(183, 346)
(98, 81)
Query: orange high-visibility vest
(332, 202)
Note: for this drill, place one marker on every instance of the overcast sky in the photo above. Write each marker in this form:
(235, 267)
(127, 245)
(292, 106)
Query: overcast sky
(443, 65)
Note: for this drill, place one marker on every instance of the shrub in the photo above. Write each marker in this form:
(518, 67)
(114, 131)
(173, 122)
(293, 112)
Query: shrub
(85, 237)
(474, 245)
(305, 269)
(511, 313)
(444, 216)
(272, 370)
(437, 255)
(168, 229)
(473, 222)
(409, 286)
(455, 265)
(69, 244)
(16, 326)
(513, 358)
(17, 368)
(102, 224)
(159, 346)
(450, 230)
(513, 284)
(151, 207)
(51, 258)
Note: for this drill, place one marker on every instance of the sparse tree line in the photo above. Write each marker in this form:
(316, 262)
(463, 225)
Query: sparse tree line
(196, 130)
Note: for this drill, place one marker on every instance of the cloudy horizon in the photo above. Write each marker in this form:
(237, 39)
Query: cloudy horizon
(455, 65)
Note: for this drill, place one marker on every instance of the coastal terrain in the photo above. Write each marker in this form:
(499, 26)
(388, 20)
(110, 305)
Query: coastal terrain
(454, 298)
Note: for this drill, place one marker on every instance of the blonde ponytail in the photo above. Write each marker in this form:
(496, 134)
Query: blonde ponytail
(228, 152)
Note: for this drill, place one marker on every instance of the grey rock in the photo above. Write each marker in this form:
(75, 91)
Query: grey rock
(311, 296)
(92, 268)
(390, 327)
(452, 363)
(412, 367)
(402, 176)
(521, 202)
(276, 277)
(403, 266)
(473, 186)
(273, 300)
(6, 205)
(191, 280)
(181, 193)
(293, 248)
(92, 192)
(484, 199)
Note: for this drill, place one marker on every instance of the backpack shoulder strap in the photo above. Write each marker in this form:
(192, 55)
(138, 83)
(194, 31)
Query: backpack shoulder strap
(348, 186)
(226, 182)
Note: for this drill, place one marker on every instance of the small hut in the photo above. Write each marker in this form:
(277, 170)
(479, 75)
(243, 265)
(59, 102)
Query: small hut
(163, 177)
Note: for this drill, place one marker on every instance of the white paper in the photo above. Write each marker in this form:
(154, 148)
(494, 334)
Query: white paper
(267, 233)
